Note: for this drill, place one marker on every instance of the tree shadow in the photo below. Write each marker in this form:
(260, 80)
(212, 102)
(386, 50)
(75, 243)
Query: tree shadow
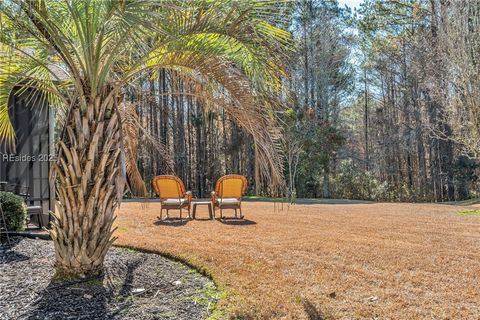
(10, 242)
(172, 222)
(236, 221)
(72, 300)
(309, 201)
(312, 312)
(85, 299)
(8, 253)
(127, 287)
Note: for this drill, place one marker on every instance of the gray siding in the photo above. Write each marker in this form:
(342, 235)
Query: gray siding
(30, 118)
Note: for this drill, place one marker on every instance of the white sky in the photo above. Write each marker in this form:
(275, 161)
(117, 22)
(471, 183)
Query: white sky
(351, 3)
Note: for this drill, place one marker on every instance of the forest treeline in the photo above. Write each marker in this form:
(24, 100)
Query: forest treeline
(383, 104)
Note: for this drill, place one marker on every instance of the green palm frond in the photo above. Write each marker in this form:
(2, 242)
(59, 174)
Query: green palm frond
(19, 73)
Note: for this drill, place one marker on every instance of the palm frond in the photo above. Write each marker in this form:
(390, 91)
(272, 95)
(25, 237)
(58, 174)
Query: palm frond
(238, 48)
(130, 129)
(233, 92)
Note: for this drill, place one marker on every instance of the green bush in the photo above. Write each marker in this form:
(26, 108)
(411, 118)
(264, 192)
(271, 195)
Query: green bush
(14, 209)
(352, 182)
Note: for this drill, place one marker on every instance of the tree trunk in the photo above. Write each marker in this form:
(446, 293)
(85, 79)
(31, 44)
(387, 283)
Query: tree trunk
(365, 122)
(326, 181)
(200, 140)
(89, 186)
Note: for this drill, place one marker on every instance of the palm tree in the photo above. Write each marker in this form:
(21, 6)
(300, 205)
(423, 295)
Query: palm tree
(81, 55)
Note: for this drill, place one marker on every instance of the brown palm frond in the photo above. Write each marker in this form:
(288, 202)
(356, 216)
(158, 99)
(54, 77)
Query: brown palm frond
(151, 142)
(130, 129)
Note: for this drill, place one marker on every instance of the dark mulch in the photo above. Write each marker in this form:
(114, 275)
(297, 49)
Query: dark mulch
(171, 290)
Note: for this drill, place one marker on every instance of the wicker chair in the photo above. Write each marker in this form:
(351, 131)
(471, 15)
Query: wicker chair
(228, 193)
(172, 194)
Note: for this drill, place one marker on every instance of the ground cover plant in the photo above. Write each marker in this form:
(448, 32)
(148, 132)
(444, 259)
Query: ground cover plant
(469, 213)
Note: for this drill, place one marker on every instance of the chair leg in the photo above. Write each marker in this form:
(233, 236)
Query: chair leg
(221, 213)
(40, 223)
(241, 215)
(211, 214)
(180, 213)
(235, 212)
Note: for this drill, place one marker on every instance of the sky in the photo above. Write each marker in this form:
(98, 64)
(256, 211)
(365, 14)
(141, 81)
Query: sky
(351, 3)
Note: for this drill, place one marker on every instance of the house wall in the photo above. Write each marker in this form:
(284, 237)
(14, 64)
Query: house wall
(29, 163)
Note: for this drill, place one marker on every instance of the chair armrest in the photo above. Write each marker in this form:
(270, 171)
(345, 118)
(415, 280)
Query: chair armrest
(189, 196)
(213, 197)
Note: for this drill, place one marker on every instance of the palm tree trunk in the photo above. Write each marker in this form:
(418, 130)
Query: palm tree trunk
(89, 185)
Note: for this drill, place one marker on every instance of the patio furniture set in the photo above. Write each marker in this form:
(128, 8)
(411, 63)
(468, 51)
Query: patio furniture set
(228, 194)
(170, 189)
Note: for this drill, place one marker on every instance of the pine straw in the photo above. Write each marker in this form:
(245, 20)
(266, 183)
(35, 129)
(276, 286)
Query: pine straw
(345, 261)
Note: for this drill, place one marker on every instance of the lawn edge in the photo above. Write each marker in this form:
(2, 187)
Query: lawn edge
(220, 312)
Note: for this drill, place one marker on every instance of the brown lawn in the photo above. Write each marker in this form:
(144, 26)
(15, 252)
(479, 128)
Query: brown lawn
(328, 261)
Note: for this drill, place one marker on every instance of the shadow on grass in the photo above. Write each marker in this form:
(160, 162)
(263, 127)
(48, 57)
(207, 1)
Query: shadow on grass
(8, 253)
(236, 222)
(312, 312)
(203, 219)
(172, 222)
(305, 201)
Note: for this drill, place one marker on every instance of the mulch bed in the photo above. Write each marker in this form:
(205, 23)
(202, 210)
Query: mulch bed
(136, 285)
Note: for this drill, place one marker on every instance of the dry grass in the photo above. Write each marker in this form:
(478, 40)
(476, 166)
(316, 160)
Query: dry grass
(328, 261)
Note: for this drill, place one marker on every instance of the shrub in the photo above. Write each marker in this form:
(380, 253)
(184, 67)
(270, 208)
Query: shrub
(14, 209)
(352, 182)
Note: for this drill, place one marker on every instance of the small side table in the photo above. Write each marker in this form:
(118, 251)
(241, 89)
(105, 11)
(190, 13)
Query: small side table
(202, 202)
